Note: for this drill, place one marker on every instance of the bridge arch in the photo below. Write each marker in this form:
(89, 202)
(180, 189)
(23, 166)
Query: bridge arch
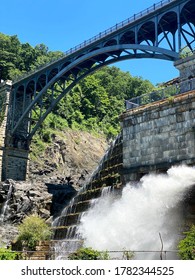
(156, 35)
(112, 54)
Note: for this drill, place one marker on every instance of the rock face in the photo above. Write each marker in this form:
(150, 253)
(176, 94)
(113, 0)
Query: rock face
(70, 158)
(54, 178)
(25, 199)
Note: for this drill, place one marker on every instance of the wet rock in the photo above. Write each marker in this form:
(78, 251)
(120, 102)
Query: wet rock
(26, 198)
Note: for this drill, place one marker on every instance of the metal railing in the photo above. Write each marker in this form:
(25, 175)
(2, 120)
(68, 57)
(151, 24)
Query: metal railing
(101, 35)
(119, 26)
(158, 95)
(152, 96)
(112, 255)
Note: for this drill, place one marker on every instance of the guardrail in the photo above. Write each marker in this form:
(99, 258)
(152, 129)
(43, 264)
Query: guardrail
(119, 25)
(158, 95)
(153, 96)
(101, 35)
(113, 255)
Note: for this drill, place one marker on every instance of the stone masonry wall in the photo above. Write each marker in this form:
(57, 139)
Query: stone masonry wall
(4, 92)
(15, 164)
(186, 69)
(13, 160)
(159, 135)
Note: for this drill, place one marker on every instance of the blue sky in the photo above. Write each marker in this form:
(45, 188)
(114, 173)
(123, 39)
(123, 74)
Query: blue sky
(62, 24)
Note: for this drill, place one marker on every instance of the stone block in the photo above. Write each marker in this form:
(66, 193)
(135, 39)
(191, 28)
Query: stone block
(164, 135)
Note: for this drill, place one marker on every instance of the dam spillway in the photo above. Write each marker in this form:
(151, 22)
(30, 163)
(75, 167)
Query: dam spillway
(154, 137)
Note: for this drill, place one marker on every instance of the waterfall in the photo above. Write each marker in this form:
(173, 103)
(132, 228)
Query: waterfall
(65, 226)
(141, 217)
(72, 239)
(5, 206)
(145, 211)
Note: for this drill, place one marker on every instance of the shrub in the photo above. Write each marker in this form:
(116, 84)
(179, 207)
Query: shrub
(187, 245)
(128, 255)
(32, 230)
(46, 136)
(8, 254)
(88, 254)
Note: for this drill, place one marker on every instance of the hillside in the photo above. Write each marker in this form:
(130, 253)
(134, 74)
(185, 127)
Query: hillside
(72, 155)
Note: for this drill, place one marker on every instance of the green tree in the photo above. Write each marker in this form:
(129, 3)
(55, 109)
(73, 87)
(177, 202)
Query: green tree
(186, 246)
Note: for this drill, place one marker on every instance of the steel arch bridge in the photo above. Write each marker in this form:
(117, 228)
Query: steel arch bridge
(159, 32)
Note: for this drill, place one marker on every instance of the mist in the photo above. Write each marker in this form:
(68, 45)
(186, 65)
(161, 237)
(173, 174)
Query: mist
(145, 211)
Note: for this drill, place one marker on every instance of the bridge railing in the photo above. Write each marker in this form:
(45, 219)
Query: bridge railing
(158, 95)
(119, 25)
(101, 35)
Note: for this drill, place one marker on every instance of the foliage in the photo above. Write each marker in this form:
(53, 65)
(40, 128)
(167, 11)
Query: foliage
(128, 255)
(88, 254)
(187, 245)
(32, 230)
(8, 254)
(97, 101)
(2, 108)
(17, 58)
(93, 105)
(185, 52)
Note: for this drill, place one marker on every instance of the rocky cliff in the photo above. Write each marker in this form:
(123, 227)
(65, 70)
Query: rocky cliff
(71, 156)
(55, 175)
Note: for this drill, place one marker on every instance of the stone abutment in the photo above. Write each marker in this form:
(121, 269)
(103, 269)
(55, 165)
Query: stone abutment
(13, 152)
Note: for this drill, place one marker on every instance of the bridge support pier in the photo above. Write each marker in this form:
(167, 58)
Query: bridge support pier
(15, 164)
(14, 152)
(5, 89)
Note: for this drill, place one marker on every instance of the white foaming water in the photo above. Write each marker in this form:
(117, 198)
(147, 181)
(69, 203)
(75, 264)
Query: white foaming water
(4, 209)
(134, 221)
